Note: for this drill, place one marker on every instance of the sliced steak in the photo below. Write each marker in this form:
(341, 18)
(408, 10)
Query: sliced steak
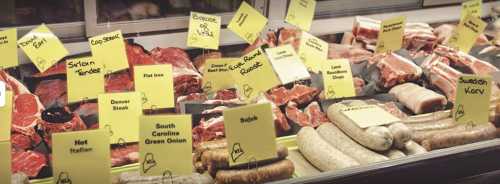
(119, 82)
(302, 94)
(395, 69)
(466, 62)
(316, 116)
(208, 130)
(296, 115)
(124, 154)
(52, 93)
(353, 54)
(28, 162)
(226, 94)
(279, 96)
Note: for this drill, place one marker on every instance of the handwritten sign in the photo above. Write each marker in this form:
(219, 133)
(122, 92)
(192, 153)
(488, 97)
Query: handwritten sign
(204, 31)
(471, 8)
(8, 48)
(287, 64)
(119, 115)
(247, 23)
(165, 145)
(369, 115)
(42, 47)
(390, 37)
(254, 74)
(6, 116)
(466, 33)
(217, 74)
(472, 100)
(313, 51)
(337, 79)
(242, 124)
(301, 13)
(156, 84)
(85, 79)
(81, 157)
(109, 50)
(5, 162)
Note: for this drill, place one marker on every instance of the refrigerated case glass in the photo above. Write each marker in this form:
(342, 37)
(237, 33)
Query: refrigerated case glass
(34, 12)
(335, 8)
(139, 16)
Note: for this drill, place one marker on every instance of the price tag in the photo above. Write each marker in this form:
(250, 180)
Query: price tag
(466, 33)
(204, 31)
(119, 115)
(472, 100)
(6, 115)
(247, 23)
(369, 115)
(254, 74)
(472, 8)
(390, 37)
(81, 157)
(156, 84)
(84, 72)
(301, 13)
(166, 145)
(313, 51)
(109, 50)
(287, 64)
(42, 47)
(8, 48)
(250, 134)
(217, 74)
(337, 79)
(5, 162)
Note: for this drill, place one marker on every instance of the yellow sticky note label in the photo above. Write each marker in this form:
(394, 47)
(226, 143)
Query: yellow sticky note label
(247, 23)
(84, 72)
(390, 36)
(287, 64)
(42, 47)
(301, 13)
(81, 157)
(466, 33)
(165, 145)
(156, 84)
(119, 115)
(471, 8)
(204, 31)
(337, 79)
(254, 74)
(250, 134)
(5, 162)
(472, 100)
(8, 48)
(6, 116)
(369, 115)
(109, 50)
(217, 74)
(313, 51)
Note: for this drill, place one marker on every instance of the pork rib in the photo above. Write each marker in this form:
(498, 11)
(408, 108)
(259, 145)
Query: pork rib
(395, 69)
(464, 61)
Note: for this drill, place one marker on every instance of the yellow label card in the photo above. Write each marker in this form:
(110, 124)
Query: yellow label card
(156, 84)
(301, 13)
(204, 31)
(242, 124)
(337, 79)
(8, 48)
(390, 36)
(84, 72)
(466, 33)
(217, 74)
(287, 64)
(247, 23)
(42, 47)
(369, 115)
(472, 8)
(472, 100)
(5, 162)
(313, 51)
(81, 157)
(109, 50)
(165, 145)
(254, 74)
(6, 115)
(119, 115)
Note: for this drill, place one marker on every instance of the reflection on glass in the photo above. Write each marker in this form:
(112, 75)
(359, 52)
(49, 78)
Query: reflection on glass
(127, 10)
(34, 12)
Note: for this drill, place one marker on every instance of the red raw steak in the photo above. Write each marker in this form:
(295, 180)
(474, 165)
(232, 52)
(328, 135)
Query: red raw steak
(123, 155)
(28, 162)
(52, 93)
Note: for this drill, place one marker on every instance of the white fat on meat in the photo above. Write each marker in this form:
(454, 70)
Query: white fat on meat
(418, 99)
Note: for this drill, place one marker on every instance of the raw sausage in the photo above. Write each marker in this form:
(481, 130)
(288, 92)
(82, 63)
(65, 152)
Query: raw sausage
(272, 172)
(413, 148)
(401, 133)
(455, 138)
